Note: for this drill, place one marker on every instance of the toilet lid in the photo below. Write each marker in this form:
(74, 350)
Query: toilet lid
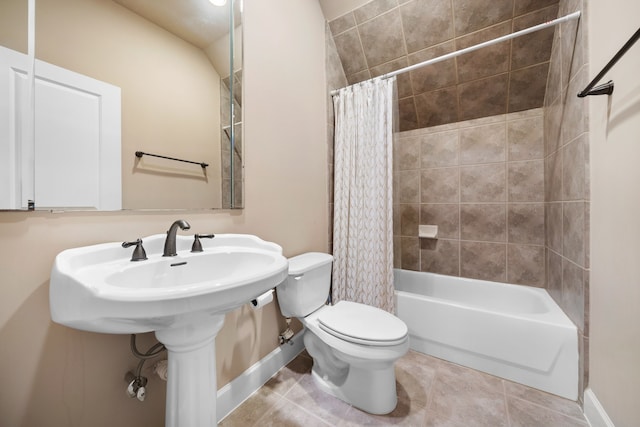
(362, 324)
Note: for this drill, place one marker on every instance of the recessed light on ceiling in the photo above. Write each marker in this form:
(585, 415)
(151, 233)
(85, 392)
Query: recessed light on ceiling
(218, 2)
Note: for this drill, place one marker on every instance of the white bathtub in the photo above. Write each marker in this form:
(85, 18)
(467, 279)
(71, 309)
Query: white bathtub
(515, 332)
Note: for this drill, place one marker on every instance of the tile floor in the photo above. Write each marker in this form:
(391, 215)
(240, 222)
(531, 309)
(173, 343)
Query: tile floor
(431, 392)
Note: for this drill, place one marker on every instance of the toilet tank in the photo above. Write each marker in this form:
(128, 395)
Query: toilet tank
(307, 287)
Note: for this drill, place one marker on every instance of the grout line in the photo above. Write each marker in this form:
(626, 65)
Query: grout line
(291, 402)
(485, 203)
(551, 409)
(455, 65)
(459, 147)
(431, 391)
(404, 43)
(266, 411)
(532, 66)
(450, 127)
(364, 55)
(506, 402)
(506, 231)
(415, 108)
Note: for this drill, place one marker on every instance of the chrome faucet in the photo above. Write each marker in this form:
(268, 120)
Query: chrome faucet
(170, 242)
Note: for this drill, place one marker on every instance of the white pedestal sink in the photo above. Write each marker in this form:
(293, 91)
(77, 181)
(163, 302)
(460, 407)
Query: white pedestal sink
(182, 299)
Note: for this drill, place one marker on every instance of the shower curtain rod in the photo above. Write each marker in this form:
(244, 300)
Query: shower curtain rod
(569, 17)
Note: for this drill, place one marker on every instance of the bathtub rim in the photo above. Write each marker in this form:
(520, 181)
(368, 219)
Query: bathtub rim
(553, 315)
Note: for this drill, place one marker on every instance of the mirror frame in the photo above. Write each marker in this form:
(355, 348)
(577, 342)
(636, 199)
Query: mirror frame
(236, 188)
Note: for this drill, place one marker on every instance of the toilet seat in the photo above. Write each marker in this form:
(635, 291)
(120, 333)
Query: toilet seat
(362, 324)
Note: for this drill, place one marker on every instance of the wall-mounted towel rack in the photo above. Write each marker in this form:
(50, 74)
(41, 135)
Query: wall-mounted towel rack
(607, 88)
(142, 153)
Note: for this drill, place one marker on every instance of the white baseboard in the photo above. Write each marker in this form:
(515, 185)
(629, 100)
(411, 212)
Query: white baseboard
(594, 412)
(237, 391)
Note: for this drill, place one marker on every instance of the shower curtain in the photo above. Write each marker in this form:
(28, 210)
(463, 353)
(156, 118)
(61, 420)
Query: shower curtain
(363, 181)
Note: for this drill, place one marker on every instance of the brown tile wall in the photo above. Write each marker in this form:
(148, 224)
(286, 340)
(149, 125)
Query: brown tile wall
(482, 183)
(566, 164)
(386, 35)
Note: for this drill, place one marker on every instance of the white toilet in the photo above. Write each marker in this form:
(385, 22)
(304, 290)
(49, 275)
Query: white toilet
(353, 346)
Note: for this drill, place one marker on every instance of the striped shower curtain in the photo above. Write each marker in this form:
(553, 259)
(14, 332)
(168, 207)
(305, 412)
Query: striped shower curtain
(363, 181)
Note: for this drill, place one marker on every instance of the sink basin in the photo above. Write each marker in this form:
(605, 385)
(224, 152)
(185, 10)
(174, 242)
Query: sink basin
(182, 299)
(99, 289)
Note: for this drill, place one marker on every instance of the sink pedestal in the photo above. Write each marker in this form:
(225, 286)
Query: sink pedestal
(182, 298)
(191, 384)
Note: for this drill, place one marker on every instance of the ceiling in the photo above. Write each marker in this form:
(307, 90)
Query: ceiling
(196, 21)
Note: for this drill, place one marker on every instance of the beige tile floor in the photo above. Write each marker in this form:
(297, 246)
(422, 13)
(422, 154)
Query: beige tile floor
(431, 392)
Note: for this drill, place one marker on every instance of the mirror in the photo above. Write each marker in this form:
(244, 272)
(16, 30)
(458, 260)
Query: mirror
(13, 24)
(169, 61)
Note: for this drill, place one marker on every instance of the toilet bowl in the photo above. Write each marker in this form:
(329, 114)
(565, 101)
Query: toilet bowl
(354, 346)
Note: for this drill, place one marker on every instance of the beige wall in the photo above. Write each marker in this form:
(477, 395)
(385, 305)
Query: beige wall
(170, 97)
(615, 209)
(218, 52)
(13, 24)
(55, 376)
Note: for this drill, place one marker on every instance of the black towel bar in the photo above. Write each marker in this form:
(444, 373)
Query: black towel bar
(607, 88)
(142, 153)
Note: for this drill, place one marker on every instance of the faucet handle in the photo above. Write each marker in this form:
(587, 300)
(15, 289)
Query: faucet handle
(138, 253)
(197, 246)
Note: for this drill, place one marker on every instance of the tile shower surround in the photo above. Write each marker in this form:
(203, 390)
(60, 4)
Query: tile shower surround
(482, 183)
(565, 151)
(386, 35)
(566, 163)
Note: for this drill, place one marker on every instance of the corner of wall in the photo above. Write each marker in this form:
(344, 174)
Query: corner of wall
(594, 412)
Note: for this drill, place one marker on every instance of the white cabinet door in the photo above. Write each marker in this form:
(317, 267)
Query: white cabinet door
(77, 141)
(74, 161)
